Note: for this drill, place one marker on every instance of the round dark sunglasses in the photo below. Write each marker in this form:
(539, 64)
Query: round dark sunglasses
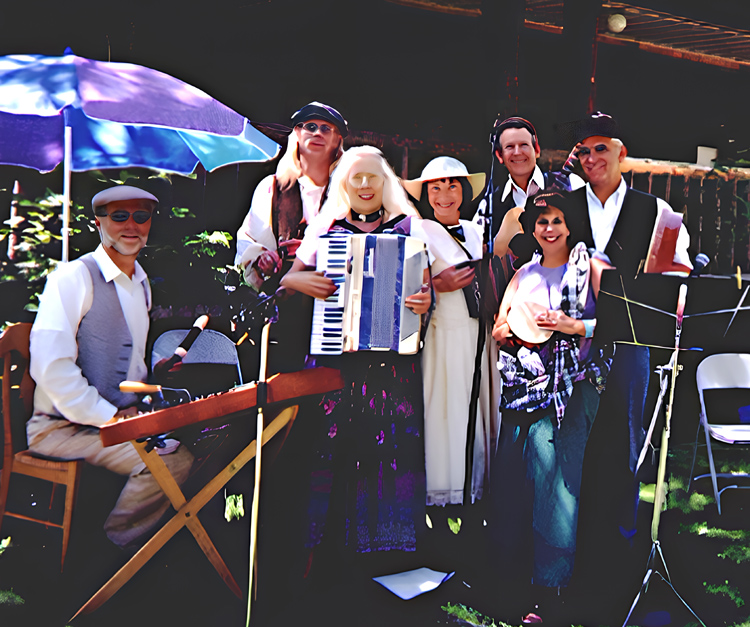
(584, 151)
(140, 217)
(311, 127)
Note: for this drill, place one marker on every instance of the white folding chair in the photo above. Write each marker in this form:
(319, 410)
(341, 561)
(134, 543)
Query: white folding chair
(722, 371)
(210, 347)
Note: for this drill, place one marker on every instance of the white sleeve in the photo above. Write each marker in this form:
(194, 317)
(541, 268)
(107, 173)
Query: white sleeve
(256, 232)
(307, 252)
(576, 182)
(54, 349)
(683, 240)
(429, 232)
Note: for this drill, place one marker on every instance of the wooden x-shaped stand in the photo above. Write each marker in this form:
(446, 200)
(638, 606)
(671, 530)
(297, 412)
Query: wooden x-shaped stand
(187, 514)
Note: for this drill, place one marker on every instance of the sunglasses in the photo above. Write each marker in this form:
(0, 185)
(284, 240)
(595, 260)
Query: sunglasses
(584, 151)
(311, 127)
(140, 217)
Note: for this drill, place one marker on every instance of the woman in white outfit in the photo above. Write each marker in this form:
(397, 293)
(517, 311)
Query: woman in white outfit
(445, 191)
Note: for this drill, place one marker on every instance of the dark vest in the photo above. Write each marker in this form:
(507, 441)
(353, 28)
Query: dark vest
(628, 245)
(104, 340)
(286, 212)
(292, 331)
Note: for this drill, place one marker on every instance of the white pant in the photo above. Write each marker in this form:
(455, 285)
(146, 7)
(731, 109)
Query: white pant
(141, 503)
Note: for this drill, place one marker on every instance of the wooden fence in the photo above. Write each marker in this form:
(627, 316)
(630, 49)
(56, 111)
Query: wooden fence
(715, 202)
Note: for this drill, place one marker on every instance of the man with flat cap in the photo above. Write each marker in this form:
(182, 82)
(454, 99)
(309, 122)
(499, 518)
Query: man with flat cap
(88, 336)
(619, 220)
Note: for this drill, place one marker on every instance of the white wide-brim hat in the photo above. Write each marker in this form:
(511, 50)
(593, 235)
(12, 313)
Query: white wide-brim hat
(121, 192)
(445, 168)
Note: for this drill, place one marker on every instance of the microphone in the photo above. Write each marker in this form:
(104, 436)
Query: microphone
(138, 387)
(157, 391)
(184, 347)
(699, 263)
(681, 298)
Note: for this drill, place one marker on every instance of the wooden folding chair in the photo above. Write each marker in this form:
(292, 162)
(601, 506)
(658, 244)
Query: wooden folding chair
(14, 352)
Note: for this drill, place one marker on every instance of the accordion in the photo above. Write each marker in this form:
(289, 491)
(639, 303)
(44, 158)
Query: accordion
(374, 275)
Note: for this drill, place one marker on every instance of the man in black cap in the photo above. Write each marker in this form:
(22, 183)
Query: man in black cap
(619, 220)
(616, 222)
(283, 205)
(285, 202)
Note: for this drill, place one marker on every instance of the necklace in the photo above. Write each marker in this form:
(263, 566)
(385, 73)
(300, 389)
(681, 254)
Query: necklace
(366, 217)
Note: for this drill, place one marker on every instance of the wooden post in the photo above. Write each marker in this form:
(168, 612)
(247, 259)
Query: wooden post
(579, 43)
(503, 22)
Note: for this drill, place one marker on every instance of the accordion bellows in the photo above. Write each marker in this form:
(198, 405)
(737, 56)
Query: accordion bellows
(374, 274)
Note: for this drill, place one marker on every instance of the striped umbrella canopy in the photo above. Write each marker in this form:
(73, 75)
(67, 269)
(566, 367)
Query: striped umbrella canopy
(93, 115)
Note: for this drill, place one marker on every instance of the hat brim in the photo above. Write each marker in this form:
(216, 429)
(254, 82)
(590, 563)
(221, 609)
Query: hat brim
(121, 192)
(521, 322)
(477, 180)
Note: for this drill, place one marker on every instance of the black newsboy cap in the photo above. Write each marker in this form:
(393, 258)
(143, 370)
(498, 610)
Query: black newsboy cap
(596, 124)
(320, 111)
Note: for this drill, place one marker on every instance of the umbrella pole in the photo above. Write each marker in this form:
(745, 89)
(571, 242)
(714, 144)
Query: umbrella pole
(67, 158)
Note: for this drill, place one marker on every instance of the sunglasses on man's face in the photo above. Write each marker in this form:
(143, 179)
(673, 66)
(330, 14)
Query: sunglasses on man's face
(584, 151)
(140, 217)
(312, 127)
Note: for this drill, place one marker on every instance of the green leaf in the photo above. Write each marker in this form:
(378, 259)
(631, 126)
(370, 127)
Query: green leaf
(182, 212)
(454, 525)
(220, 237)
(8, 597)
(234, 508)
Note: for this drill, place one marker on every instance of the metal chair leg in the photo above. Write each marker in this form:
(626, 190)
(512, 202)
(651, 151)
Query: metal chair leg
(695, 452)
(713, 468)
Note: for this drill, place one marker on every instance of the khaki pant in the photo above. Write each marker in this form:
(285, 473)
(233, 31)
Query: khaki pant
(141, 503)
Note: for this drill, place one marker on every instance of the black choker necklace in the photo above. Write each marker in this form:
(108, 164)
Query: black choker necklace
(366, 217)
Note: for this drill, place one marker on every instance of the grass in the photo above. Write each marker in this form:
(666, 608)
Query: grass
(725, 589)
(470, 616)
(693, 515)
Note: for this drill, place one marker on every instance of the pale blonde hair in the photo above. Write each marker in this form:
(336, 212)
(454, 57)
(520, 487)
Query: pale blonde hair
(289, 168)
(337, 205)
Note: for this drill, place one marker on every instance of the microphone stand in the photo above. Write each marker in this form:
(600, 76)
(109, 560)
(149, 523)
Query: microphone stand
(270, 313)
(668, 377)
(485, 275)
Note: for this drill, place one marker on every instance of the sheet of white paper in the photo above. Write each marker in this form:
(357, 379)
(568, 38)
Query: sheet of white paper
(412, 583)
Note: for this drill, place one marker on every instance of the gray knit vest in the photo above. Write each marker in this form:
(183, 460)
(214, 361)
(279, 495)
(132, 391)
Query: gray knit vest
(104, 340)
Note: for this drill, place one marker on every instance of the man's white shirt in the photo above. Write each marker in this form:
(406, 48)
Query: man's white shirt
(62, 390)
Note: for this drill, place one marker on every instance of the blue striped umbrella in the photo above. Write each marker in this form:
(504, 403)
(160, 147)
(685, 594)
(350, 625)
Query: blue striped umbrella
(93, 115)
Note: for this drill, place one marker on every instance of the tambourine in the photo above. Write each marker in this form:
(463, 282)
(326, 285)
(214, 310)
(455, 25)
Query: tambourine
(522, 324)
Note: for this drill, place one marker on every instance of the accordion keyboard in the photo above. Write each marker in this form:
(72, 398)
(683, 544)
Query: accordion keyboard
(328, 315)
